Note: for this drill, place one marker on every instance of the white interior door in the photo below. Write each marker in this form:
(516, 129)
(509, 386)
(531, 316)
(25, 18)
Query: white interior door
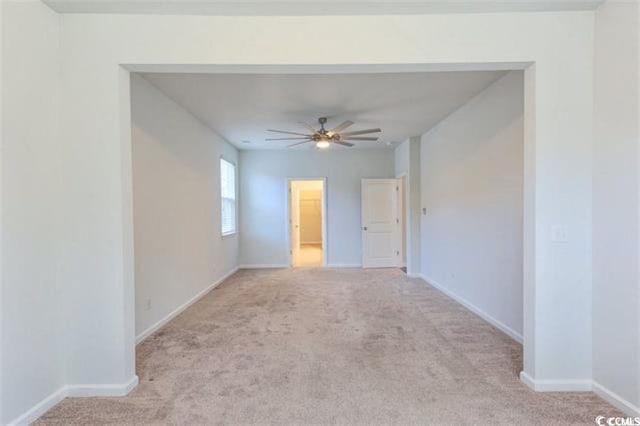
(380, 223)
(295, 224)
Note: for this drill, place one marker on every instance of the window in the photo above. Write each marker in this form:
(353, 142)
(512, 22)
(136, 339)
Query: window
(228, 196)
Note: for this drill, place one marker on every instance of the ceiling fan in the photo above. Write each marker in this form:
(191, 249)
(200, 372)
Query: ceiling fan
(323, 138)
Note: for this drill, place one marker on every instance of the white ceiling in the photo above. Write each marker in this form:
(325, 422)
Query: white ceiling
(241, 107)
(315, 7)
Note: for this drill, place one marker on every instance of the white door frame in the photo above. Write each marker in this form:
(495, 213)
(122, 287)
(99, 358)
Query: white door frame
(325, 244)
(403, 228)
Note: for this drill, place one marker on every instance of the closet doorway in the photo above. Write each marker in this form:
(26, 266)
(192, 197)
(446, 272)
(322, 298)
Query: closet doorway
(307, 227)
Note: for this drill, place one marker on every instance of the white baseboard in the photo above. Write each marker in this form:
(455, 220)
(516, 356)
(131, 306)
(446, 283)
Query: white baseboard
(35, 412)
(102, 390)
(344, 265)
(282, 266)
(569, 385)
(473, 308)
(264, 266)
(616, 400)
(585, 385)
(566, 385)
(527, 380)
(155, 327)
(413, 275)
(87, 390)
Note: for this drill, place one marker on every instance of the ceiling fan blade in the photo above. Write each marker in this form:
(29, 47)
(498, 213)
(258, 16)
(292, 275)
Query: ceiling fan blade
(288, 133)
(309, 126)
(344, 143)
(286, 139)
(299, 143)
(359, 138)
(360, 132)
(341, 127)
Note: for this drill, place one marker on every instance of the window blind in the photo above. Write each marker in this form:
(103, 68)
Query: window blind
(228, 195)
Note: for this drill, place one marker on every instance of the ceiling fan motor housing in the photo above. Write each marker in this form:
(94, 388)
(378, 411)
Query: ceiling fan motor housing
(325, 137)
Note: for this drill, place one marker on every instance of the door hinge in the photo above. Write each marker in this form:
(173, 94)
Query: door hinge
(290, 251)
(397, 220)
(398, 252)
(397, 188)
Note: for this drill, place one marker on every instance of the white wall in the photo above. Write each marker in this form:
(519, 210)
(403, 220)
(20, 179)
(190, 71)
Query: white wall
(96, 286)
(97, 298)
(179, 250)
(1, 210)
(616, 251)
(407, 163)
(33, 228)
(263, 200)
(472, 188)
(95, 245)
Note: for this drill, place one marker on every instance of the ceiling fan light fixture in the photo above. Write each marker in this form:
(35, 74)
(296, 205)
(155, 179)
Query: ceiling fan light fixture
(324, 138)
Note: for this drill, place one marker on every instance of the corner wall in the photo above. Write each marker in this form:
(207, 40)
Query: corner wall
(472, 189)
(33, 224)
(407, 163)
(179, 250)
(616, 209)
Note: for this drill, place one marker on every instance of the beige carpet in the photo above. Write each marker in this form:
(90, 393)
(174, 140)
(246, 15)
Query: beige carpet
(325, 346)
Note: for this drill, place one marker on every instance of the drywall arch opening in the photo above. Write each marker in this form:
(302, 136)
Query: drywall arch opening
(531, 254)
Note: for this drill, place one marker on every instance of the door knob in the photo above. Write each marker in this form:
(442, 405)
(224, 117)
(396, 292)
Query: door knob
(364, 228)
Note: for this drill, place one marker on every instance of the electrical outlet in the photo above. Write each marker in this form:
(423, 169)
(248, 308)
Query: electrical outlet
(559, 234)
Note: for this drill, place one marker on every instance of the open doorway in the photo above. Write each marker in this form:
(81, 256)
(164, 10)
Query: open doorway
(307, 222)
(266, 181)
